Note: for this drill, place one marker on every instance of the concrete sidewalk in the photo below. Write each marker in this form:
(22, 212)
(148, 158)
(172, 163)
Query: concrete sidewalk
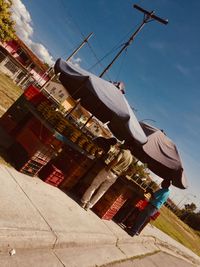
(48, 228)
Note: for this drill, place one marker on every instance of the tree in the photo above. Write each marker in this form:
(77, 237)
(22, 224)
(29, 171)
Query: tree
(193, 220)
(190, 207)
(139, 172)
(7, 31)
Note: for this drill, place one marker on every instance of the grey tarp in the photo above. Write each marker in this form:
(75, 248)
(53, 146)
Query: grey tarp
(102, 99)
(161, 156)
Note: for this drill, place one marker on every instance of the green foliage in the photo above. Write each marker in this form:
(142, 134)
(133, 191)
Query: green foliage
(192, 219)
(190, 207)
(47, 65)
(138, 170)
(7, 31)
(170, 224)
(140, 173)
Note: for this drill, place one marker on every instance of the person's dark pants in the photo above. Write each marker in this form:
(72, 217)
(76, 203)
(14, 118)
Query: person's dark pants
(142, 218)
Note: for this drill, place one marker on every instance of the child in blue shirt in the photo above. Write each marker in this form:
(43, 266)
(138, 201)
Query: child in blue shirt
(156, 202)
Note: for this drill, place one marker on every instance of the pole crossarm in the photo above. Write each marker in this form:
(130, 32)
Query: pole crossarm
(151, 14)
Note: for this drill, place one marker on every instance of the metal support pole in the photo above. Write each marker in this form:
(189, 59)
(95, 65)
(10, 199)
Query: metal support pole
(80, 46)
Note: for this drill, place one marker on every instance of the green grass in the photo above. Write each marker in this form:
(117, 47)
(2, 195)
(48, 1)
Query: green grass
(9, 92)
(170, 224)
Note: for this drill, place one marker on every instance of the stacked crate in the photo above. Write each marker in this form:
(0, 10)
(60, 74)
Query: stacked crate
(79, 165)
(70, 166)
(37, 161)
(17, 155)
(87, 178)
(137, 194)
(127, 209)
(7, 122)
(44, 135)
(15, 116)
(34, 95)
(112, 201)
(38, 146)
(133, 212)
(51, 175)
(130, 218)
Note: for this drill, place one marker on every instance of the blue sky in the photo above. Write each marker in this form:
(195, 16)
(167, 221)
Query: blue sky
(160, 69)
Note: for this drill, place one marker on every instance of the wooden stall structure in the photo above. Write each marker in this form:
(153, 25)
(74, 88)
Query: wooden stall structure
(47, 141)
(124, 191)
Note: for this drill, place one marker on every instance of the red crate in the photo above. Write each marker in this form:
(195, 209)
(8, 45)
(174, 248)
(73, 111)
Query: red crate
(36, 162)
(51, 175)
(141, 204)
(34, 95)
(108, 210)
(113, 200)
(18, 110)
(39, 154)
(28, 140)
(43, 134)
(155, 216)
(7, 123)
(43, 155)
(77, 171)
(17, 154)
(32, 167)
(46, 171)
(34, 146)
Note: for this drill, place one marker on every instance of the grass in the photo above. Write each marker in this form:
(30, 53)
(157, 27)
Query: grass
(9, 92)
(166, 222)
(170, 224)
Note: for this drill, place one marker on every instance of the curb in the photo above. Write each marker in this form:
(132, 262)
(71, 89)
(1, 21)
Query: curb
(183, 253)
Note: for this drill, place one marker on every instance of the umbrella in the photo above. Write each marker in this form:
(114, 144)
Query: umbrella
(102, 99)
(161, 156)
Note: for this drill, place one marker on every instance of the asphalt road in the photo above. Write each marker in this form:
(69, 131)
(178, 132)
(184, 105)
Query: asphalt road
(160, 259)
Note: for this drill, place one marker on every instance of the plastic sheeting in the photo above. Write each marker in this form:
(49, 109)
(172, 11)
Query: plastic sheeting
(161, 156)
(103, 100)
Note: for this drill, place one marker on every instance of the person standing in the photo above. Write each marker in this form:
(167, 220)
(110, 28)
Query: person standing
(106, 177)
(157, 201)
(105, 143)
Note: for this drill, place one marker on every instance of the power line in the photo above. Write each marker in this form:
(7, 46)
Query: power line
(121, 65)
(89, 45)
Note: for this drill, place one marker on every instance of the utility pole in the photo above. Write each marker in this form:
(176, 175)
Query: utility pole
(80, 46)
(148, 16)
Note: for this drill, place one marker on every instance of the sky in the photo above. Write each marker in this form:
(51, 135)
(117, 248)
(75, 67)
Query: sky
(160, 69)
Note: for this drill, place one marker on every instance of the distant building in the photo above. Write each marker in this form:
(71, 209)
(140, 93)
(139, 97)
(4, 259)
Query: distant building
(24, 68)
(21, 64)
(73, 110)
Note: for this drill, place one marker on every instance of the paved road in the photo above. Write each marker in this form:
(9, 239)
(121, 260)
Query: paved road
(156, 260)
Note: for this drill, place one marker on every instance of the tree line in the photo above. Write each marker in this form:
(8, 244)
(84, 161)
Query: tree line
(7, 30)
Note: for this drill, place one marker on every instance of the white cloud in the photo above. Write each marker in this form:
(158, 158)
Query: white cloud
(76, 61)
(24, 29)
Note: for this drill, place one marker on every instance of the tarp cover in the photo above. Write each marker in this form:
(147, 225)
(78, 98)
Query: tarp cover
(102, 99)
(161, 156)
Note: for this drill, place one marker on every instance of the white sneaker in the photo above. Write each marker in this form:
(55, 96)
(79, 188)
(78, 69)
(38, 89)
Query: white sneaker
(83, 204)
(88, 206)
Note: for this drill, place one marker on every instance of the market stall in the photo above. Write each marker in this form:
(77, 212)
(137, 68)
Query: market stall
(54, 144)
(45, 138)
